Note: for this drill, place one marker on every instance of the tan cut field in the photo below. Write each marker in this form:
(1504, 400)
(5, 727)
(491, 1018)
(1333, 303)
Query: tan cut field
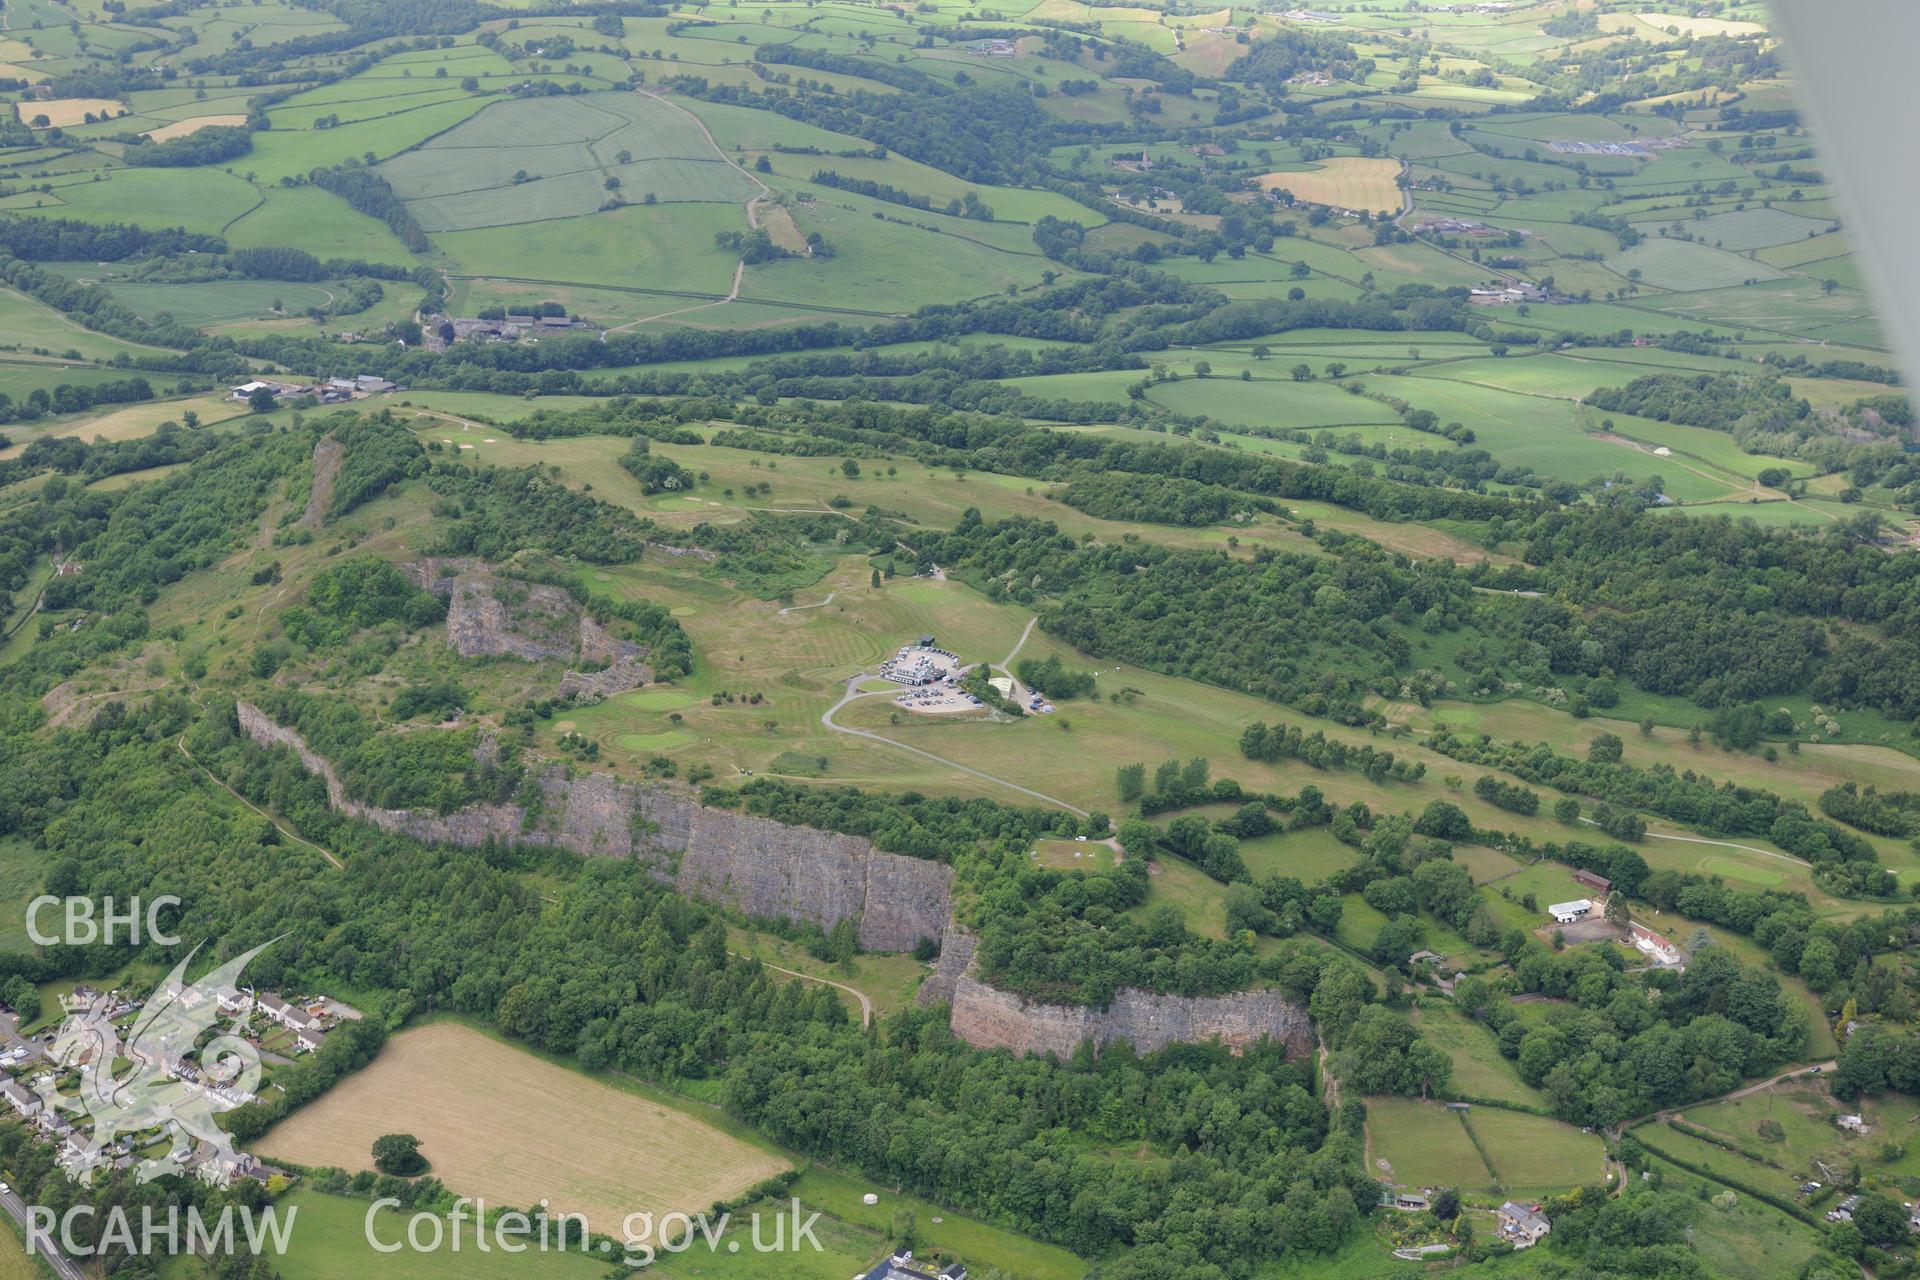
(1345, 182)
(133, 422)
(194, 124)
(778, 220)
(501, 1124)
(1660, 22)
(62, 112)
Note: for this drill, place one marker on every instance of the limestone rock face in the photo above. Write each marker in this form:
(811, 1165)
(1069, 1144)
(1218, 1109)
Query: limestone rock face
(956, 955)
(988, 1018)
(764, 868)
(328, 454)
(770, 870)
(436, 573)
(489, 615)
(625, 674)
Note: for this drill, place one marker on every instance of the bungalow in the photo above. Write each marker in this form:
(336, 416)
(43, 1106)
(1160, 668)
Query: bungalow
(231, 1001)
(1599, 884)
(902, 1265)
(1407, 1202)
(1521, 1225)
(1568, 912)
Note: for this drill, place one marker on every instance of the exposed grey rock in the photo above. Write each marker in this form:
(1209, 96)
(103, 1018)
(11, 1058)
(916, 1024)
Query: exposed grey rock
(956, 956)
(327, 457)
(769, 870)
(493, 614)
(988, 1018)
(489, 615)
(766, 869)
(595, 686)
(436, 573)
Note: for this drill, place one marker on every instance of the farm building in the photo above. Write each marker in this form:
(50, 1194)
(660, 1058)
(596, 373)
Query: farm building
(1843, 1212)
(246, 389)
(1407, 1201)
(904, 1266)
(1508, 294)
(1521, 1225)
(1851, 1123)
(1568, 912)
(1599, 884)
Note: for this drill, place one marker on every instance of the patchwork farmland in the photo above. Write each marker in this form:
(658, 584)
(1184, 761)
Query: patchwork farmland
(555, 158)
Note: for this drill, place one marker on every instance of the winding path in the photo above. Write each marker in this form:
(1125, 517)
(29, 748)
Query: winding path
(1724, 844)
(796, 608)
(277, 824)
(1018, 645)
(761, 192)
(866, 1004)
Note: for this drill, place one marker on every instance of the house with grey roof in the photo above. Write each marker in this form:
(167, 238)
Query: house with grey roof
(1521, 1225)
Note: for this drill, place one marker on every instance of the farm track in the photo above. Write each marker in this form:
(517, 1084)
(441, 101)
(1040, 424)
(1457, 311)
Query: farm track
(679, 293)
(1724, 844)
(762, 191)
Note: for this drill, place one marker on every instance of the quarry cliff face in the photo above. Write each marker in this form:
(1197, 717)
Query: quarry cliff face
(988, 1018)
(770, 870)
(764, 868)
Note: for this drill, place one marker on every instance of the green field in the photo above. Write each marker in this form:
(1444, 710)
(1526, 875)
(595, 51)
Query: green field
(216, 301)
(1425, 1144)
(554, 158)
(1479, 1070)
(329, 1239)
